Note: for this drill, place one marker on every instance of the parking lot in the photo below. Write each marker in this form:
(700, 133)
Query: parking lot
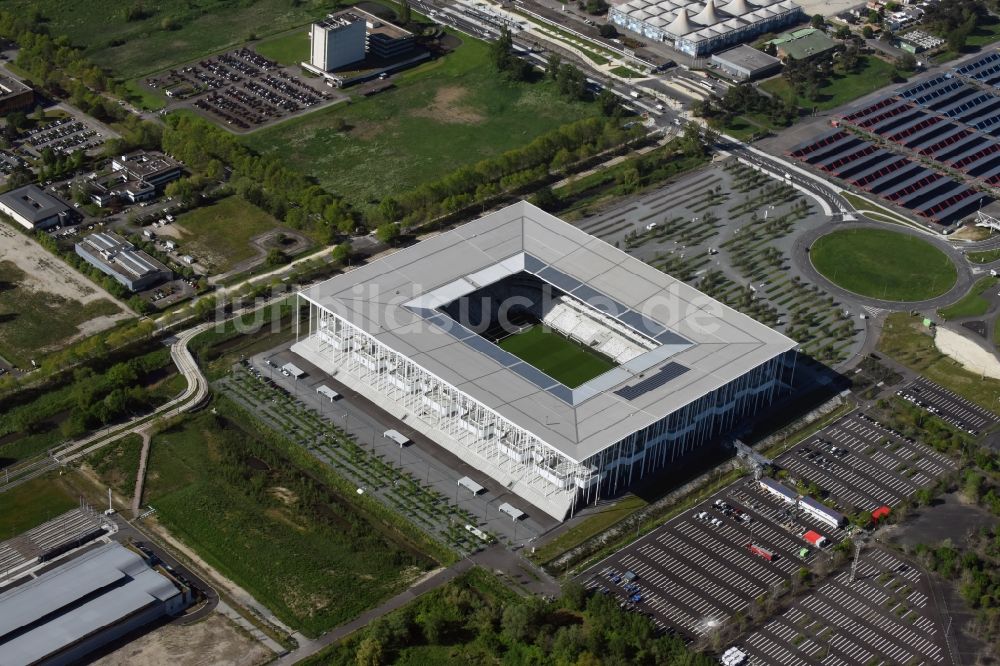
(242, 89)
(949, 406)
(873, 466)
(884, 616)
(698, 569)
(63, 136)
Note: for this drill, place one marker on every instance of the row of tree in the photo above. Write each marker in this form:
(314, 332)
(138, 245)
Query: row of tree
(744, 98)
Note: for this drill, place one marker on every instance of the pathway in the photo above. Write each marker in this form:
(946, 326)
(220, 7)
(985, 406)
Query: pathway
(140, 478)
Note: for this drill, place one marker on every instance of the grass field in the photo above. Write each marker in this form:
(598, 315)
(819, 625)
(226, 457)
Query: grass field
(560, 358)
(252, 513)
(972, 304)
(31, 504)
(288, 49)
(171, 32)
(441, 115)
(873, 74)
(906, 339)
(117, 464)
(33, 322)
(984, 257)
(883, 264)
(221, 232)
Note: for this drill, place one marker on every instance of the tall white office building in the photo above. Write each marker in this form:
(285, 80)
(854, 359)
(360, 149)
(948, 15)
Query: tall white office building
(337, 41)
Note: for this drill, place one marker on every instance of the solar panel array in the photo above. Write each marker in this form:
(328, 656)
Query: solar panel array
(952, 119)
(894, 177)
(665, 374)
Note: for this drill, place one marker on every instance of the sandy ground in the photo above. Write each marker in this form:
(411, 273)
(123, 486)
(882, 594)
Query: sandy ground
(46, 272)
(214, 640)
(827, 7)
(972, 357)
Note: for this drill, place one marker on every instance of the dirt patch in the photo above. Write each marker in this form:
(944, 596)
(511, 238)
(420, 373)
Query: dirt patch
(286, 496)
(45, 272)
(214, 640)
(971, 356)
(970, 232)
(447, 108)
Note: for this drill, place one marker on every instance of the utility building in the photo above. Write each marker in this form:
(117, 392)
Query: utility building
(84, 603)
(745, 63)
(437, 334)
(34, 208)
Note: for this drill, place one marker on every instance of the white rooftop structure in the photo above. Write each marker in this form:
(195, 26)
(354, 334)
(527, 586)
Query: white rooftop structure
(675, 349)
(71, 610)
(701, 29)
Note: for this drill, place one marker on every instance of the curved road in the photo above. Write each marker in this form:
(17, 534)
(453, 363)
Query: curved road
(194, 394)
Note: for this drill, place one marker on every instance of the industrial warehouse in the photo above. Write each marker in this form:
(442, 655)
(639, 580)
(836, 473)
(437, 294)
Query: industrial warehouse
(702, 29)
(441, 334)
(113, 255)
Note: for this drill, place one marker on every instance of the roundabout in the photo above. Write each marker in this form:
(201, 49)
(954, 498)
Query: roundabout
(883, 264)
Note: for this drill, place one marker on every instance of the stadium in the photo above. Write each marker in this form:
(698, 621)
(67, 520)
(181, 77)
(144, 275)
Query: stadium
(549, 360)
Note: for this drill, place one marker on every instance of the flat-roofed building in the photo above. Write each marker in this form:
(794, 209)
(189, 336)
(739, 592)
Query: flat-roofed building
(15, 95)
(113, 255)
(804, 44)
(34, 208)
(745, 63)
(337, 40)
(156, 169)
(419, 334)
(68, 612)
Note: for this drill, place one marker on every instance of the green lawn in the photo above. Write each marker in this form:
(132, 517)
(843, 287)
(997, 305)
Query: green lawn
(972, 304)
(984, 257)
(220, 233)
(883, 264)
(626, 72)
(31, 504)
(600, 520)
(172, 32)
(229, 491)
(35, 322)
(873, 74)
(441, 115)
(288, 49)
(562, 359)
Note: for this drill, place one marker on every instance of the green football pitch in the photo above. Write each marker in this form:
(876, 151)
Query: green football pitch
(560, 358)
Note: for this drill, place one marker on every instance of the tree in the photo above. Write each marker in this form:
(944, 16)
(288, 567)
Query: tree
(770, 49)
(545, 199)
(608, 102)
(552, 66)
(843, 32)
(608, 31)
(388, 232)
(403, 16)
(370, 652)
(817, 21)
(907, 62)
(596, 6)
(867, 32)
(341, 254)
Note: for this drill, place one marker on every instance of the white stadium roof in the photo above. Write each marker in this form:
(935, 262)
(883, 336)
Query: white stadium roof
(700, 344)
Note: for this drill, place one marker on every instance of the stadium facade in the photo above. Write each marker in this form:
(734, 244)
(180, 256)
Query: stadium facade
(701, 29)
(415, 333)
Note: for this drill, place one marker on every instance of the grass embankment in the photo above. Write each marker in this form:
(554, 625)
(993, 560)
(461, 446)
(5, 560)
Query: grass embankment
(873, 73)
(907, 340)
(33, 321)
(31, 504)
(117, 464)
(591, 526)
(441, 115)
(972, 304)
(231, 492)
(562, 359)
(883, 264)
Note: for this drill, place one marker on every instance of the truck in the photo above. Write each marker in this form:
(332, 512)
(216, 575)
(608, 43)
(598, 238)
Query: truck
(733, 657)
(762, 552)
(815, 538)
(634, 94)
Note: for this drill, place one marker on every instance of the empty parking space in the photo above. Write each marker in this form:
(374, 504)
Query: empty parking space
(699, 567)
(949, 406)
(882, 616)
